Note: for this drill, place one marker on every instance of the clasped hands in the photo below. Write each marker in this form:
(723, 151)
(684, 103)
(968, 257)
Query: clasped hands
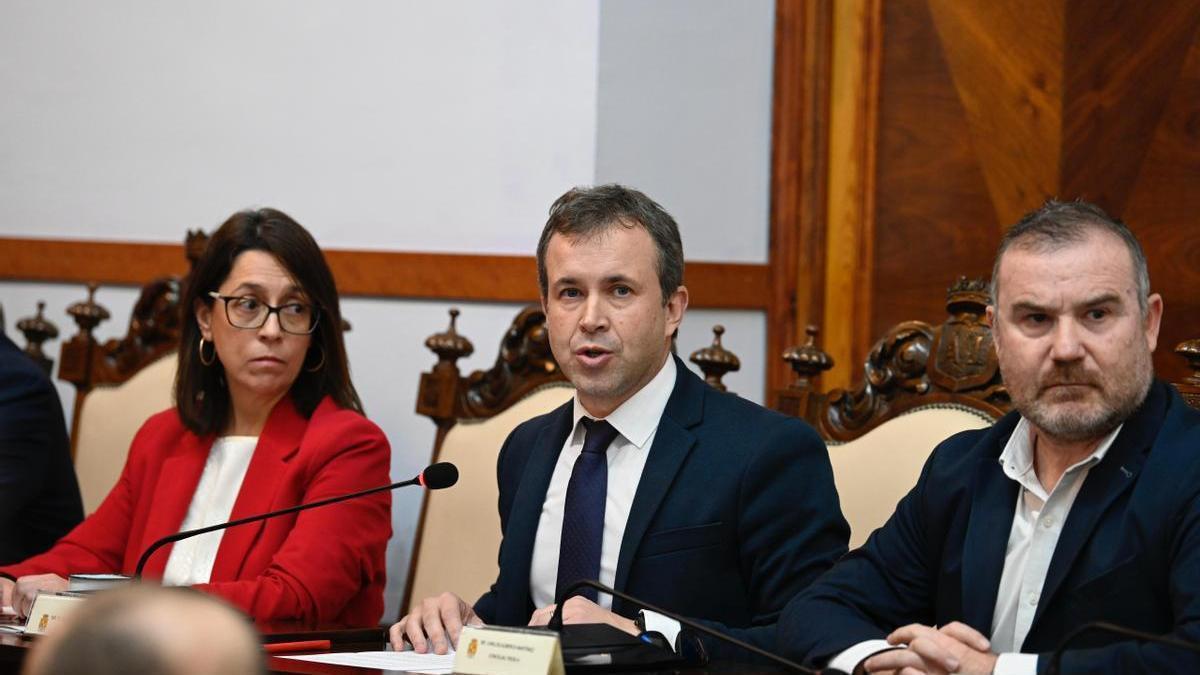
(434, 624)
(953, 648)
(21, 593)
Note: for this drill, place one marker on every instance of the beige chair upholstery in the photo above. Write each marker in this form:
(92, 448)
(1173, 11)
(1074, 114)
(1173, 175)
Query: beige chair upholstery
(874, 471)
(461, 532)
(109, 418)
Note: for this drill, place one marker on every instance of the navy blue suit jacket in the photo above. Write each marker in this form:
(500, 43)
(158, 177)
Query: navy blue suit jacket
(39, 496)
(1129, 552)
(736, 511)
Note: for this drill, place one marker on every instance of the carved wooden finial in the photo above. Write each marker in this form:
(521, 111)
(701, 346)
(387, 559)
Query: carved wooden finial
(968, 295)
(1190, 387)
(715, 361)
(194, 245)
(88, 314)
(1190, 350)
(37, 329)
(449, 345)
(808, 360)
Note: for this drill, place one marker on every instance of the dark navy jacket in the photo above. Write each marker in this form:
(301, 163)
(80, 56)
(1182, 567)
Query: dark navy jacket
(39, 496)
(1129, 552)
(736, 511)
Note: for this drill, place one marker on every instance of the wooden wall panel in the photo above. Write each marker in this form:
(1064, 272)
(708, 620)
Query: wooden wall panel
(935, 219)
(1164, 211)
(389, 274)
(984, 109)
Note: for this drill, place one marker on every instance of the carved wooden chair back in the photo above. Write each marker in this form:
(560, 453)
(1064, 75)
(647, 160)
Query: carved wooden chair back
(921, 384)
(121, 382)
(459, 530)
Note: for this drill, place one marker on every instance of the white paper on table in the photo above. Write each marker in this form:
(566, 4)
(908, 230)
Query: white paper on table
(409, 661)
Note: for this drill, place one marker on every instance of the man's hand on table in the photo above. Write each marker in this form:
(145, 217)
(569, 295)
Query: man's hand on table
(953, 648)
(581, 610)
(433, 624)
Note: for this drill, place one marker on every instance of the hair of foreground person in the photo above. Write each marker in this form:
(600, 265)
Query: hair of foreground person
(150, 629)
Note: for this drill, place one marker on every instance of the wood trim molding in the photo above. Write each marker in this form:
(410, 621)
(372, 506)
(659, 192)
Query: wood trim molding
(799, 169)
(857, 56)
(389, 274)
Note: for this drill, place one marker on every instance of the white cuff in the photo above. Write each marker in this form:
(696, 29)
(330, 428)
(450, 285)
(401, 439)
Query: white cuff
(1016, 664)
(657, 623)
(849, 659)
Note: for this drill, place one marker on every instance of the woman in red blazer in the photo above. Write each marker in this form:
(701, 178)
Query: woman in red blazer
(266, 418)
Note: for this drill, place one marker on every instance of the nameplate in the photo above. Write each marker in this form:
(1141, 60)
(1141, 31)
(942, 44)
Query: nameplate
(48, 609)
(488, 650)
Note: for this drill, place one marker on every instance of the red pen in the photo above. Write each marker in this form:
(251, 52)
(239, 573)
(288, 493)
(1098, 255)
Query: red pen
(302, 646)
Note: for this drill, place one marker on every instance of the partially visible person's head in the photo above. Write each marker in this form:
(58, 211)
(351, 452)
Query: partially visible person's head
(150, 629)
(610, 267)
(233, 345)
(1073, 320)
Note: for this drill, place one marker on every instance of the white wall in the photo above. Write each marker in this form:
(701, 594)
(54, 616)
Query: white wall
(684, 112)
(372, 122)
(421, 126)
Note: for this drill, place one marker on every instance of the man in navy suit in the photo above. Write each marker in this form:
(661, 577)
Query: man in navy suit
(649, 480)
(39, 496)
(1082, 505)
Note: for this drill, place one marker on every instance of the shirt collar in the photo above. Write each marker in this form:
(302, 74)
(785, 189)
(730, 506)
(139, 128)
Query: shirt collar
(636, 418)
(1017, 456)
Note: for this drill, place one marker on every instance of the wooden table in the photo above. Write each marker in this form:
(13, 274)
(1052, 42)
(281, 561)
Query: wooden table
(13, 648)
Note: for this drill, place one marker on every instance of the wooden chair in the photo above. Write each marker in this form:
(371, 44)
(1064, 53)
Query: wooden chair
(1190, 387)
(459, 530)
(120, 383)
(921, 384)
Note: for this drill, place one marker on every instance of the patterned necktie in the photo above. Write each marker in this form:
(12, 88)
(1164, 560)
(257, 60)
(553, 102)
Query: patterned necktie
(583, 512)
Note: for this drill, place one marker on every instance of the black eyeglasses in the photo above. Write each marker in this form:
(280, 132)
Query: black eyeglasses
(247, 311)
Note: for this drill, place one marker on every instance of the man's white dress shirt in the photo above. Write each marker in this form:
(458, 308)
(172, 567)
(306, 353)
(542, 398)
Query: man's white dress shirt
(636, 422)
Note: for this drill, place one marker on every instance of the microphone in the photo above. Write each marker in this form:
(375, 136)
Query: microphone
(1105, 627)
(556, 624)
(434, 477)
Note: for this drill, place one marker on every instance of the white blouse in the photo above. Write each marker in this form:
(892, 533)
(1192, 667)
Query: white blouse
(191, 560)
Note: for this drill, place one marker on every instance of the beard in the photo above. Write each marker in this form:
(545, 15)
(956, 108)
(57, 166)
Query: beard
(1096, 404)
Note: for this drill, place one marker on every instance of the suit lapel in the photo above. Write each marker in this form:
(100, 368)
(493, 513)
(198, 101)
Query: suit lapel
(993, 502)
(1105, 482)
(278, 443)
(523, 519)
(177, 480)
(672, 444)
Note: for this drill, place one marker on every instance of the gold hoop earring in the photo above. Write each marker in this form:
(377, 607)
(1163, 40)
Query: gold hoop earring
(212, 359)
(317, 367)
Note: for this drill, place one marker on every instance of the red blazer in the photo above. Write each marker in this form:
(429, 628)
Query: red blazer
(322, 565)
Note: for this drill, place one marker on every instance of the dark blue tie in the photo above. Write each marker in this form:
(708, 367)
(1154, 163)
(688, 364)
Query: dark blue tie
(583, 512)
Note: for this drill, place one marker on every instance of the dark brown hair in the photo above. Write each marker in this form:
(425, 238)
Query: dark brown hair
(201, 396)
(590, 211)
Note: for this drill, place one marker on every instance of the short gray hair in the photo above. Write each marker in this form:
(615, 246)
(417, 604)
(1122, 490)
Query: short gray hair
(1058, 224)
